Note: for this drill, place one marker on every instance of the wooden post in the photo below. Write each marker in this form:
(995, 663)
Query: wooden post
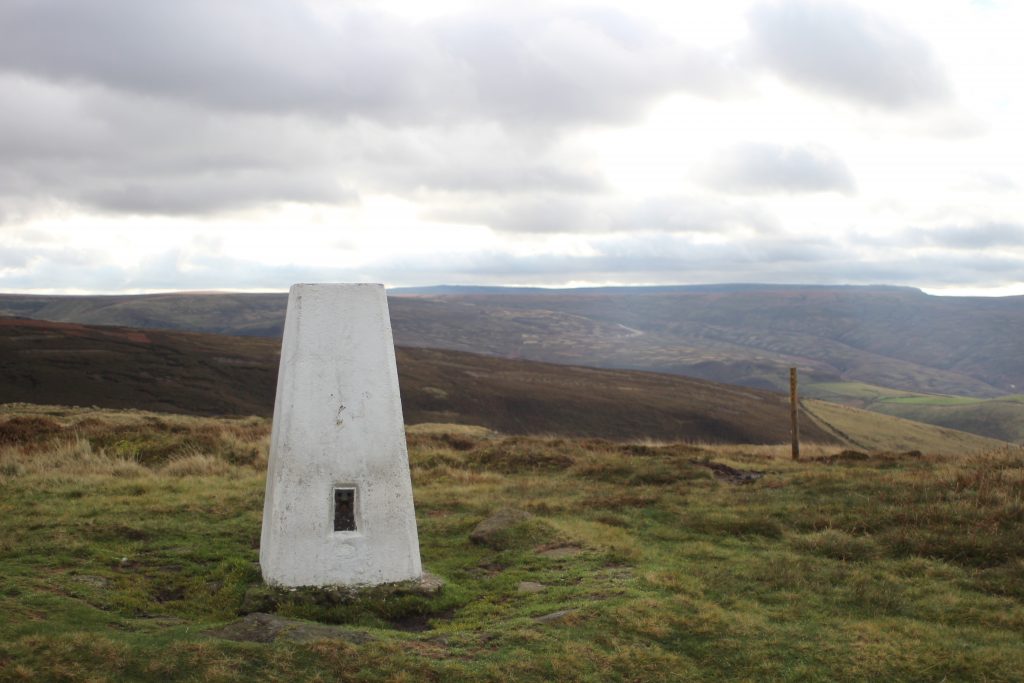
(794, 408)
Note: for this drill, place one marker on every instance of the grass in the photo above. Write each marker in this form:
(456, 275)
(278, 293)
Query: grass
(999, 418)
(128, 535)
(871, 396)
(875, 431)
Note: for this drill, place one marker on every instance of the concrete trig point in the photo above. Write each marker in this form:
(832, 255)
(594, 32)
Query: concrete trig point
(338, 509)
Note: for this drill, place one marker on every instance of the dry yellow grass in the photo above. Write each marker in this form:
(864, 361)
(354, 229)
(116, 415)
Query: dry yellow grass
(126, 535)
(869, 431)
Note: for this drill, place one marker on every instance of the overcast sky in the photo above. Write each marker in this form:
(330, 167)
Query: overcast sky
(250, 144)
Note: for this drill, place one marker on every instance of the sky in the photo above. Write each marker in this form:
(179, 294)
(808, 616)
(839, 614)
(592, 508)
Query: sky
(252, 144)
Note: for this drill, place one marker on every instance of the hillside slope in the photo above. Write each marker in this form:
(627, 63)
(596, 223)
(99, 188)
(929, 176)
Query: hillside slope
(70, 364)
(999, 418)
(893, 337)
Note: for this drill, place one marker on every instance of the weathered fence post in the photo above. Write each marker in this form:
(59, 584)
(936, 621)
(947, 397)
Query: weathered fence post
(794, 420)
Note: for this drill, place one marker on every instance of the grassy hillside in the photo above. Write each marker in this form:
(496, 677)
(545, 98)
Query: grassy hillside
(524, 397)
(64, 363)
(42, 362)
(200, 374)
(999, 418)
(861, 429)
(130, 540)
(887, 336)
(216, 312)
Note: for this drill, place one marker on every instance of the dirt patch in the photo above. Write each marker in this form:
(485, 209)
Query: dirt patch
(560, 551)
(269, 628)
(849, 456)
(730, 474)
(417, 623)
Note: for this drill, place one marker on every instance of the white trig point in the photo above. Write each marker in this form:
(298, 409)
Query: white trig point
(338, 509)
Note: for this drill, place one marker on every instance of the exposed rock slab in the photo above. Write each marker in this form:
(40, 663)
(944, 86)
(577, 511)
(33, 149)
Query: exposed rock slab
(558, 617)
(530, 587)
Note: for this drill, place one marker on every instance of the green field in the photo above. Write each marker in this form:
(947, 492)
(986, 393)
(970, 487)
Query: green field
(998, 418)
(132, 537)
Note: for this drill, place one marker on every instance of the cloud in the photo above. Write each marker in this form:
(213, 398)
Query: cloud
(658, 258)
(577, 65)
(680, 259)
(981, 236)
(527, 64)
(473, 157)
(756, 168)
(197, 107)
(843, 50)
(123, 153)
(559, 213)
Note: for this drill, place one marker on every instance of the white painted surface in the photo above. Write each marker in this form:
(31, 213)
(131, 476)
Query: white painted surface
(338, 424)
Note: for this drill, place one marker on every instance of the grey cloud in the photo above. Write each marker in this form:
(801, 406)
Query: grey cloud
(118, 152)
(754, 168)
(667, 259)
(518, 64)
(124, 153)
(583, 65)
(209, 192)
(531, 213)
(269, 54)
(484, 158)
(552, 213)
(672, 259)
(981, 236)
(945, 239)
(844, 50)
(198, 106)
(17, 257)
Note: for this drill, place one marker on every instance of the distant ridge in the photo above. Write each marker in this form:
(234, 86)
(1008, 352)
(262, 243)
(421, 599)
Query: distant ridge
(441, 290)
(891, 338)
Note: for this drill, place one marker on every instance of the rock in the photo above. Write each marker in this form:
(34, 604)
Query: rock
(428, 584)
(561, 551)
(93, 581)
(531, 587)
(268, 628)
(556, 617)
(492, 531)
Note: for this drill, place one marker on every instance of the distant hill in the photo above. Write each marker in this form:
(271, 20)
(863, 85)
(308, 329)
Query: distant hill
(260, 315)
(893, 337)
(72, 364)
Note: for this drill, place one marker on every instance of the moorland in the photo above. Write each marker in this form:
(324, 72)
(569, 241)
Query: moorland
(639, 526)
(209, 374)
(130, 543)
(951, 361)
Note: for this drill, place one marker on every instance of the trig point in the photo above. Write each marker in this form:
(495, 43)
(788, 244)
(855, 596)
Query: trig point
(338, 509)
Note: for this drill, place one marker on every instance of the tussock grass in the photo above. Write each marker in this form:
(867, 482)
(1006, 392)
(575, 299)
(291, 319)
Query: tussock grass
(126, 535)
(56, 443)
